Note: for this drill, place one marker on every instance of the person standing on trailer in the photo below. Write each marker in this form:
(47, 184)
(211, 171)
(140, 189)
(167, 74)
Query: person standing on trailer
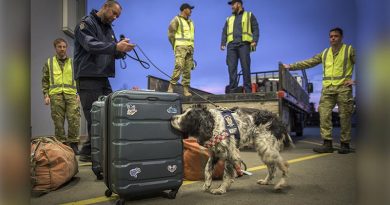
(241, 34)
(181, 33)
(96, 49)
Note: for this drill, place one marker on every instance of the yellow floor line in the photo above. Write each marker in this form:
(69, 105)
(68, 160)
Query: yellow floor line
(309, 142)
(85, 164)
(114, 196)
(316, 143)
(93, 200)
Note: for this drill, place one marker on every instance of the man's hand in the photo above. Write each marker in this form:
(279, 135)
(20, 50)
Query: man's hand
(78, 98)
(349, 82)
(286, 66)
(47, 100)
(223, 48)
(124, 45)
(253, 44)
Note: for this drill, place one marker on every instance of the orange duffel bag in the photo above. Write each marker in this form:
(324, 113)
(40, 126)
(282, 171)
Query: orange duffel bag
(52, 164)
(195, 158)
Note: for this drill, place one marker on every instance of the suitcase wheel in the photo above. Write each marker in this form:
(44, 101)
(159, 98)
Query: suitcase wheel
(120, 202)
(108, 193)
(172, 194)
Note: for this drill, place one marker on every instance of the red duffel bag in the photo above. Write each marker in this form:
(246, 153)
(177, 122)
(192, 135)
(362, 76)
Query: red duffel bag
(195, 158)
(52, 164)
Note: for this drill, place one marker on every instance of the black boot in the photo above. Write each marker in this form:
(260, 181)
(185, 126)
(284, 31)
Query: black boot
(325, 148)
(85, 153)
(75, 147)
(344, 149)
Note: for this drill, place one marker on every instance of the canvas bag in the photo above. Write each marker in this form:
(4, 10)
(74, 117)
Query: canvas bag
(195, 158)
(52, 164)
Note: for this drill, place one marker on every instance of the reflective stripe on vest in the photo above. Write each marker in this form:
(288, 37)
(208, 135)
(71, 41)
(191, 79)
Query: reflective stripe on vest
(185, 33)
(61, 80)
(246, 27)
(336, 70)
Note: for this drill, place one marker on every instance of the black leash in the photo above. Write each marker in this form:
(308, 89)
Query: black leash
(146, 65)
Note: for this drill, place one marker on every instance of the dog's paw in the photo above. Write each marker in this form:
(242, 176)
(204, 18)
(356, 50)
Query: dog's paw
(206, 187)
(263, 182)
(218, 191)
(280, 186)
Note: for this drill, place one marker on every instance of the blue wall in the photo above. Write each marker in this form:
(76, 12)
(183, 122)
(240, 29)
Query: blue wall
(289, 31)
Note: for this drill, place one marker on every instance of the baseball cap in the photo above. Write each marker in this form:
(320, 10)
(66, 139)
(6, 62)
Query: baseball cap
(234, 1)
(186, 6)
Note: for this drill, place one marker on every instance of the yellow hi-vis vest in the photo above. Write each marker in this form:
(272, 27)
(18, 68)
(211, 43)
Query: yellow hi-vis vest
(61, 80)
(337, 70)
(185, 33)
(246, 27)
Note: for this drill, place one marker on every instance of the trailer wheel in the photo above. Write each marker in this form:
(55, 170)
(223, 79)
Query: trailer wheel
(299, 133)
(108, 193)
(299, 129)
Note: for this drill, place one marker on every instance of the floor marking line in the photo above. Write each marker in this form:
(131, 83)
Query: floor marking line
(114, 196)
(85, 164)
(310, 142)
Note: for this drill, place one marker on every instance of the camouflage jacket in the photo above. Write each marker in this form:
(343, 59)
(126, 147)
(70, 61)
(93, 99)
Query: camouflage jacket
(317, 59)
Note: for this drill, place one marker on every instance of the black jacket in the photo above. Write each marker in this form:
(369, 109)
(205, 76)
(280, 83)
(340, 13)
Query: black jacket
(237, 29)
(95, 48)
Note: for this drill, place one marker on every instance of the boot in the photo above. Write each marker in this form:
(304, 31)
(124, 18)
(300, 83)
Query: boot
(170, 88)
(75, 147)
(344, 149)
(325, 148)
(186, 91)
(85, 153)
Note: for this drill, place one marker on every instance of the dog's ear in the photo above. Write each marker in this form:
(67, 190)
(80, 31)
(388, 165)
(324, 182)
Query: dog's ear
(206, 126)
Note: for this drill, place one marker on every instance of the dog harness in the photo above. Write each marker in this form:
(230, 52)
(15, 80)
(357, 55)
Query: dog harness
(231, 125)
(217, 139)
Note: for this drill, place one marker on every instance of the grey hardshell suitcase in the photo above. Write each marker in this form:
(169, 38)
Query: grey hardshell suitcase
(143, 153)
(96, 137)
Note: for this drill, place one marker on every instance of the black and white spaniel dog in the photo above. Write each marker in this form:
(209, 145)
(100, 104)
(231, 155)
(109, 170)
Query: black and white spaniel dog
(259, 127)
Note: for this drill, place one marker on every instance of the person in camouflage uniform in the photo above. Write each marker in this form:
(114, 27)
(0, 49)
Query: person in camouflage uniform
(181, 36)
(59, 91)
(338, 62)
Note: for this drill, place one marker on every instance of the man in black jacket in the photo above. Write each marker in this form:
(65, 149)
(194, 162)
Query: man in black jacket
(241, 34)
(96, 49)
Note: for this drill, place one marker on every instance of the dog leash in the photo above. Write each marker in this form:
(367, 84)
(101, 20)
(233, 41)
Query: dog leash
(147, 66)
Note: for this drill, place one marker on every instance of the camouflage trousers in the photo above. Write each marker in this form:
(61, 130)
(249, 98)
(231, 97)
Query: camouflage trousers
(65, 105)
(184, 62)
(342, 96)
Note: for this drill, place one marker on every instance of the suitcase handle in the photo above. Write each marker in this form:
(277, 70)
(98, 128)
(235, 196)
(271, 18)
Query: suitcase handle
(102, 98)
(152, 98)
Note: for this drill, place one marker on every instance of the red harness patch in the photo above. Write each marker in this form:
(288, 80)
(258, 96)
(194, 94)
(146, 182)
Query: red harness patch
(216, 139)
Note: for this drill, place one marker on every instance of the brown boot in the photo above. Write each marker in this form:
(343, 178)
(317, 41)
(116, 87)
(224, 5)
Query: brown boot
(186, 91)
(325, 148)
(170, 88)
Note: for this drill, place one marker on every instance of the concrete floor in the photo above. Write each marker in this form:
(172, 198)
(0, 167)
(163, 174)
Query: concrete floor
(314, 179)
